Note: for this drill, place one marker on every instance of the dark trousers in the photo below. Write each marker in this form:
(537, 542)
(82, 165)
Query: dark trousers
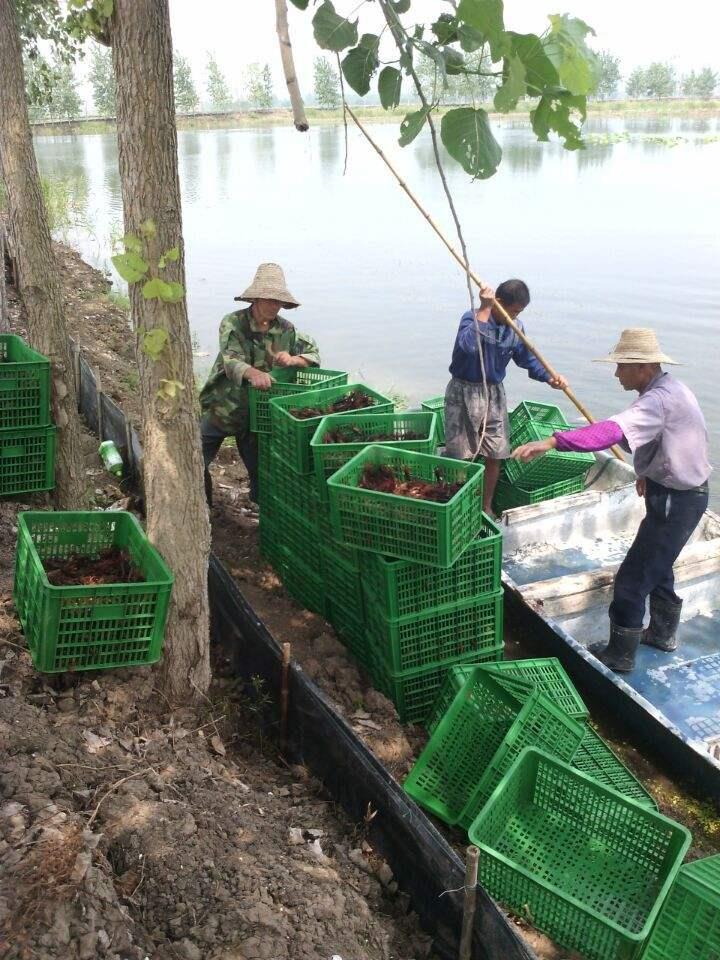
(212, 438)
(670, 518)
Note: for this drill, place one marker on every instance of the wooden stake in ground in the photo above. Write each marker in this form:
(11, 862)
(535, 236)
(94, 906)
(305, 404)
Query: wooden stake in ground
(507, 319)
(472, 855)
(288, 64)
(284, 697)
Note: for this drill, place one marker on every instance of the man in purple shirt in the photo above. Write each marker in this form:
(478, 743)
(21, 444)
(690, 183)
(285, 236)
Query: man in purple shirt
(476, 417)
(665, 431)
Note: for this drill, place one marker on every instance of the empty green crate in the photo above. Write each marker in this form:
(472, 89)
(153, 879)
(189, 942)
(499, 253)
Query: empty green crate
(286, 381)
(405, 527)
(304, 584)
(437, 405)
(24, 385)
(89, 627)
(688, 925)
(529, 410)
(595, 758)
(297, 535)
(292, 436)
(552, 467)
(509, 495)
(27, 460)
(439, 635)
(584, 864)
(329, 457)
(414, 691)
(400, 587)
(518, 677)
(296, 491)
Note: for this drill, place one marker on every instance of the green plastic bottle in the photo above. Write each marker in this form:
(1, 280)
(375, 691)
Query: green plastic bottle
(111, 457)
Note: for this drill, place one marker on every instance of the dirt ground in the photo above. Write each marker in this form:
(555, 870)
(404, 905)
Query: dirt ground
(130, 830)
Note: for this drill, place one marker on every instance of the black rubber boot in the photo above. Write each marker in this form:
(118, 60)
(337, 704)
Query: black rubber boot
(619, 654)
(664, 621)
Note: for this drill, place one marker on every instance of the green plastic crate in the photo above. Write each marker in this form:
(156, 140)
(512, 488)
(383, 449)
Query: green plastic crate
(304, 584)
(342, 582)
(89, 627)
(462, 746)
(539, 724)
(437, 405)
(541, 413)
(286, 381)
(271, 548)
(509, 495)
(292, 436)
(296, 491)
(27, 460)
(595, 758)
(298, 536)
(439, 635)
(518, 677)
(351, 631)
(552, 467)
(414, 691)
(329, 457)
(584, 864)
(420, 530)
(400, 588)
(688, 925)
(24, 385)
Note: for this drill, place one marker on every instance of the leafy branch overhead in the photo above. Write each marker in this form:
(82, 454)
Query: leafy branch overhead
(556, 69)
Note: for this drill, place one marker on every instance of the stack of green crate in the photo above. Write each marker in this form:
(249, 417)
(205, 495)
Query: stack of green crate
(556, 474)
(27, 436)
(430, 573)
(436, 405)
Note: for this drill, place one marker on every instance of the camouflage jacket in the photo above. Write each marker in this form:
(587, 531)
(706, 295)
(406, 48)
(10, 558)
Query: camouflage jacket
(224, 398)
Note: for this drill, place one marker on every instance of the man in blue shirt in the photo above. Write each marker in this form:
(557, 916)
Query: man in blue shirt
(476, 418)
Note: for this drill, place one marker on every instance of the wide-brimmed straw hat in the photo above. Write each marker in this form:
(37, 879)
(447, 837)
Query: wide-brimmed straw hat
(637, 345)
(269, 284)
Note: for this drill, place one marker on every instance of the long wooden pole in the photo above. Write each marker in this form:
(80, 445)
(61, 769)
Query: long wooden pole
(472, 855)
(507, 319)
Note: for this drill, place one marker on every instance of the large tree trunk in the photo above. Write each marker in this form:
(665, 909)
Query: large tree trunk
(37, 272)
(177, 514)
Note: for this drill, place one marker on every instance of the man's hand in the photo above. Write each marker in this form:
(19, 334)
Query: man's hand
(531, 451)
(284, 359)
(558, 383)
(640, 486)
(258, 379)
(487, 297)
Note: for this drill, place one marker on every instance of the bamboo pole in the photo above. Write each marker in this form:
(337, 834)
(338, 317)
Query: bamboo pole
(507, 319)
(472, 855)
(288, 64)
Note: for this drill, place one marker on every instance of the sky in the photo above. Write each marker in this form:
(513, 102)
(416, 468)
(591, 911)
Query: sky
(239, 32)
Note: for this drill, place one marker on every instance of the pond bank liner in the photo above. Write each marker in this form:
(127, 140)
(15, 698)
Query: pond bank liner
(425, 865)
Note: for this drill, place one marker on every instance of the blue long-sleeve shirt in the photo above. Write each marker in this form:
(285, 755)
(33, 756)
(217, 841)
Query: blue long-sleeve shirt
(499, 345)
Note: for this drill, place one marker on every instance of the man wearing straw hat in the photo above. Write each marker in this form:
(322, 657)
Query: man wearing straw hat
(252, 341)
(665, 430)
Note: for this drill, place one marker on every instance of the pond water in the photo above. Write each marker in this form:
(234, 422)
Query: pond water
(624, 233)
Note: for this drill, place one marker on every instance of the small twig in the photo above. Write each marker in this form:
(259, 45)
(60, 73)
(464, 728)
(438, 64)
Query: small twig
(112, 789)
(344, 106)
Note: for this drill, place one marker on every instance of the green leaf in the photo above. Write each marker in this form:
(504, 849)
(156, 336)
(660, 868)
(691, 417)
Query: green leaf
(169, 389)
(445, 28)
(172, 254)
(130, 266)
(576, 64)
(557, 114)
(541, 77)
(389, 87)
(468, 139)
(300, 4)
(486, 16)
(154, 289)
(360, 64)
(454, 61)
(470, 39)
(105, 7)
(174, 293)
(132, 243)
(513, 86)
(154, 341)
(400, 6)
(331, 31)
(148, 228)
(412, 125)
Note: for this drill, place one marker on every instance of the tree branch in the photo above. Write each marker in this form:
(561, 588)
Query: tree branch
(288, 64)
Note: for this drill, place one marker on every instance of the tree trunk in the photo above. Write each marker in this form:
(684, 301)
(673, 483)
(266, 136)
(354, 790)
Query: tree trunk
(37, 272)
(177, 514)
(288, 65)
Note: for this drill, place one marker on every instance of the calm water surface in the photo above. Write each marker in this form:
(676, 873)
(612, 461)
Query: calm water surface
(621, 234)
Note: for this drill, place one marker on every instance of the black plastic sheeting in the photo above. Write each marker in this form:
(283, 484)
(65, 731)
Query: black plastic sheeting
(425, 865)
(622, 709)
(423, 862)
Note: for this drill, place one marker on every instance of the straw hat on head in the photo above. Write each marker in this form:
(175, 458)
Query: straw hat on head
(637, 345)
(269, 284)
